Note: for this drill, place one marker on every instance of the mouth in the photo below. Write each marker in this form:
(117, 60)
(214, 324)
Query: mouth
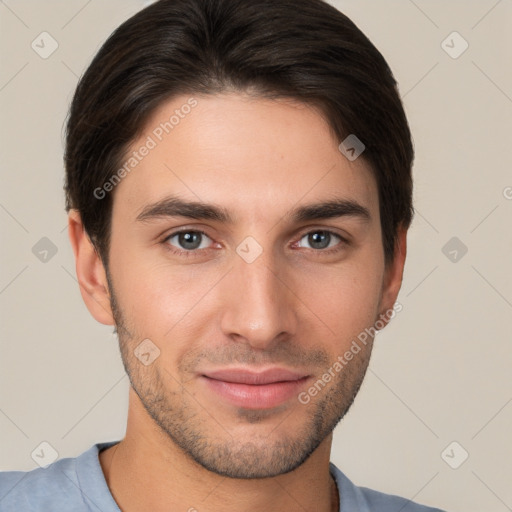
(255, 390)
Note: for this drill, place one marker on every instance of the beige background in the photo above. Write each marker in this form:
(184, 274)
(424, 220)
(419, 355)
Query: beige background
(439, 373)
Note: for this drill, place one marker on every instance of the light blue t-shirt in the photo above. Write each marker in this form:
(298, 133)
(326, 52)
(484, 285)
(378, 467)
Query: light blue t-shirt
(78, 485)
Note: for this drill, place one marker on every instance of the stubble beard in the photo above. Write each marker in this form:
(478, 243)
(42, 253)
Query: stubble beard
(193, 428)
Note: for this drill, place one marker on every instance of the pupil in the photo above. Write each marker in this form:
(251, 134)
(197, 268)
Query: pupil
(319, 240)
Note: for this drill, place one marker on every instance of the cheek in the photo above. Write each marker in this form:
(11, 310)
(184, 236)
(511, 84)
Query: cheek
(345, 298)
(160, 298)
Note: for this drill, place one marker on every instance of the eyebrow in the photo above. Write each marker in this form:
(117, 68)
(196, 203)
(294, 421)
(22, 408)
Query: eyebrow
(173, 206)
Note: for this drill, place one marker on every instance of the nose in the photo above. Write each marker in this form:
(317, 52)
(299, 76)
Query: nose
(258, 304)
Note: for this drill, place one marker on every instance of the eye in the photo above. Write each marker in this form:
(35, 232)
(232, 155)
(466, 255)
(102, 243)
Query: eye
(320, 239)
(188, 240)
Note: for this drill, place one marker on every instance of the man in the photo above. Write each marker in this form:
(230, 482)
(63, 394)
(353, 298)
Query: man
(238, 180)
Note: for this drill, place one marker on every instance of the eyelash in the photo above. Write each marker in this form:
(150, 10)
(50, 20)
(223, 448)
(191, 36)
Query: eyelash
(196, 252)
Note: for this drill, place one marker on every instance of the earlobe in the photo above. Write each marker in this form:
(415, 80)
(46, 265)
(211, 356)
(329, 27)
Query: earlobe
(90, 271)
(393, 278)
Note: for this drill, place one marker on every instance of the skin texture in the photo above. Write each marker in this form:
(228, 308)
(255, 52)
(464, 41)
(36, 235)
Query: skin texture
(296, 306)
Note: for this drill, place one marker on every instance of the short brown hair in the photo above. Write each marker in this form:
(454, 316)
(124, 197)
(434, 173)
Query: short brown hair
(300, 49)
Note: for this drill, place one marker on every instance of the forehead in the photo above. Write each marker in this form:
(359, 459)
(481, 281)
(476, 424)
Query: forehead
(258, 155)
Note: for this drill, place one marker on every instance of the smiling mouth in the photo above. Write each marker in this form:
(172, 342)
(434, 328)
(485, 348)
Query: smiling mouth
(262, 390)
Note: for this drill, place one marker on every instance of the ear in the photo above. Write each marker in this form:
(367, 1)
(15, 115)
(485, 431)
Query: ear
(393, 274)
(89, 271)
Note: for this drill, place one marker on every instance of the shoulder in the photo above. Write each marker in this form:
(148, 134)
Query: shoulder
(41, 488)
(362, 499)
(63, 485)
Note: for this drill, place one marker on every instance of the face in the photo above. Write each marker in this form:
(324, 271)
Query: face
(246, 257)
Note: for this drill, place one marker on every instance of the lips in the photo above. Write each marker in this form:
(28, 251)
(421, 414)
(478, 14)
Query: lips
(241, 376)
(254, 390)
